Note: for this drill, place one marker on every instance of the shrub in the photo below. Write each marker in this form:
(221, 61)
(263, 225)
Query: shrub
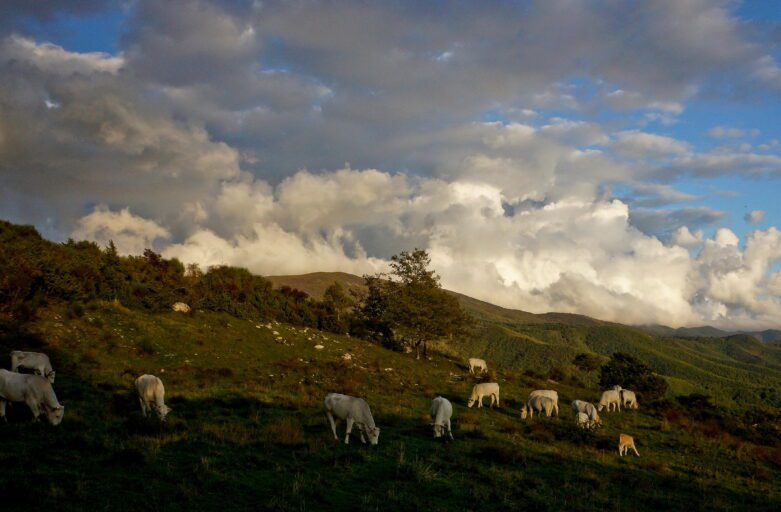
(631, 373)
(587, 362)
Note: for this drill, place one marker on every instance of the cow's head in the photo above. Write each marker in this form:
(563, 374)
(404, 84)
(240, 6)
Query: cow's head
(374, 435)
(55, 414)
(50, 376)
(438, 429)
(163, 411)
(471, 402)
(524, 412)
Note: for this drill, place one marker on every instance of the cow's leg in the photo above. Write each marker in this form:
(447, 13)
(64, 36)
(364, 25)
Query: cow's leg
(349, 429)
(143, 406)
(361, 429)
(635, 449)
(556, 408)
(34, 408)
(497, 399)
(449, 431)
(480, 401)
(621, 450)
(2, 410)
(333, 424)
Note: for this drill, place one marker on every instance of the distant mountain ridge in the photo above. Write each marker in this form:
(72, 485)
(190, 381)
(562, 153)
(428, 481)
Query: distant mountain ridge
(315, 284)
(733, 368)
(706, 331)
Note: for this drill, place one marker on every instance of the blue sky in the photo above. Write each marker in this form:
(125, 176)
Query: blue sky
(571, 160)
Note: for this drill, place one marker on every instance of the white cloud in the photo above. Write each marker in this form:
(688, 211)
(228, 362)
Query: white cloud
(637, 144)
(727, 132)
(755, 216)
(131, 234)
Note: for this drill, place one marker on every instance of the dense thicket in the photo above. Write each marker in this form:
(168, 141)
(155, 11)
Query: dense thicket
(34, 271)
(407, 307)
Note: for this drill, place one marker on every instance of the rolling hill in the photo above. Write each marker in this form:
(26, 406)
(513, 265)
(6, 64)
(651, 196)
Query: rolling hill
(734, 368)
(247, 431)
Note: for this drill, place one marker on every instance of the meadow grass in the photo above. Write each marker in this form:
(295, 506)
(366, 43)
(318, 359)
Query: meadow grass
(247, 430)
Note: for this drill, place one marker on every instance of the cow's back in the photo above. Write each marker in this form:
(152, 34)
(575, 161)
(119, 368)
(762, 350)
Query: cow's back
(148, 386)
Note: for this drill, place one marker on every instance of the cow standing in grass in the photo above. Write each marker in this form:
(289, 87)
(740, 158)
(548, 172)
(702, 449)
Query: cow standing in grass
(35, 391)
(587, 408)
(485, 389)
(35, 361)
(550, 393)
(625, 442)
(628, 398)
(477, 364)
(611, 397)
(540, 404)
(151, 396)
(356, 412)
(441, 411)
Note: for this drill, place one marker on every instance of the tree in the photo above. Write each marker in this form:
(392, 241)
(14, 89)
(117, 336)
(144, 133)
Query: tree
(629, 372)
(412, 303)
(587, 362)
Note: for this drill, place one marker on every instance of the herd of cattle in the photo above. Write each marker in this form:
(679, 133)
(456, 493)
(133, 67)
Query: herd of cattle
(35, 389)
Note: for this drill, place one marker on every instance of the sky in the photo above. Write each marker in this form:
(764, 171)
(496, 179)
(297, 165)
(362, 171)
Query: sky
(616, 159)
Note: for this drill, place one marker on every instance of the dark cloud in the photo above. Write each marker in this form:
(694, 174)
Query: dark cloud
(663, 222)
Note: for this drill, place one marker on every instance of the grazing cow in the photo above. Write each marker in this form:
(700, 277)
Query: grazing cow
(485, 389)
(553, 395)
(587, 408)
(540, 404)
(35, 361)
(151, 395)
(441, 411)
(33, 390)
(626, 442)
(477, 364)
(610, 397)
(355, 411)
(628, 399)
(582, 420)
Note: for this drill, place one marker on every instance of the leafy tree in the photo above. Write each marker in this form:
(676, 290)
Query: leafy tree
(412, 303)
(631, 373)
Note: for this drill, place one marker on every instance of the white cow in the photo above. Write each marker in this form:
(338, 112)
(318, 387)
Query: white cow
(628, 398)
(540, 404)
(477, 364)
(151, 395)
(33, 390)
(587, 408)
(610, 397)
(35, 361)
(553, 395)
(582, 420)
(484, 389)
(441, 411)
(355, 411)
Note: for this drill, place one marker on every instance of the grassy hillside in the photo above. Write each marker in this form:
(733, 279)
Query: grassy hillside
(736, 370)
(247, 431)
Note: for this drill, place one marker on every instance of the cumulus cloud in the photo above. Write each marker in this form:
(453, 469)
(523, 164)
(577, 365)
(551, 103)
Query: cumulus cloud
(131, 234)
(219, 134)
(755, 216)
